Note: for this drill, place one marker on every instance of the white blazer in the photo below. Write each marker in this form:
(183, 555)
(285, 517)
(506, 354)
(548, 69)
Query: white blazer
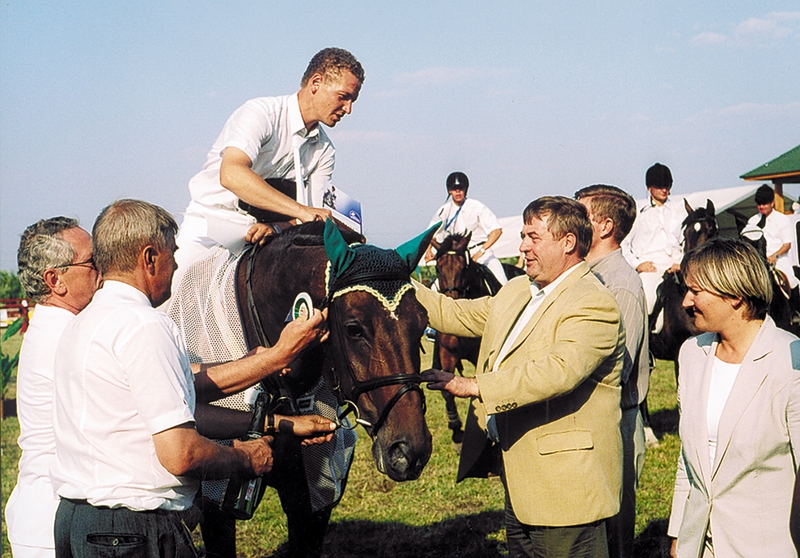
(745, 496)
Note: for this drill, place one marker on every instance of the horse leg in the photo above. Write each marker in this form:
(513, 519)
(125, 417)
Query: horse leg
(218, 530)
(306, 527)
(449, 361)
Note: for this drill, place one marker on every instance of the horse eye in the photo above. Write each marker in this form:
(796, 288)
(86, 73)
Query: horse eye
(354, 331)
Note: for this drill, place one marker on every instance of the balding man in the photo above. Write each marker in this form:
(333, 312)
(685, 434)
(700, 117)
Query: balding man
(56, 270)
(128, 457)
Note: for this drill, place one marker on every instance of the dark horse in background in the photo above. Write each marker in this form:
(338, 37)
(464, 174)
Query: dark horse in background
(371, 361)
(699, 226)
(460, 277)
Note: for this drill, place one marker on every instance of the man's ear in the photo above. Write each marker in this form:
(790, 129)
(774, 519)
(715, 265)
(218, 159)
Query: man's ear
(607, 228)
(570, 242)
(315, 82)
(149, 257)
(52, 279)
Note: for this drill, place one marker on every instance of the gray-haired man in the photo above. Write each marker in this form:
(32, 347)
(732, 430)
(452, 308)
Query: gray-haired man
(56, 270)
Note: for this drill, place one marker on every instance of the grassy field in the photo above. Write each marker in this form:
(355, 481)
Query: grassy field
(432, 516)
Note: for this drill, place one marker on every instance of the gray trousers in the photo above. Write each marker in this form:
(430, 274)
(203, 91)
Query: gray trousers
(82, 530)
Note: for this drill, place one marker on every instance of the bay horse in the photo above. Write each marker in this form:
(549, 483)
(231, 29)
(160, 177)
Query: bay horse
(370, 363)
(459, 277)
(699, 226)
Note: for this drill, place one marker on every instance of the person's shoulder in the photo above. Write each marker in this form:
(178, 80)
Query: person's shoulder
(266, 105)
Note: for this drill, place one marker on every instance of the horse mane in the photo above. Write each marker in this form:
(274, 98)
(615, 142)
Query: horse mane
(308, 234)
(453, 239)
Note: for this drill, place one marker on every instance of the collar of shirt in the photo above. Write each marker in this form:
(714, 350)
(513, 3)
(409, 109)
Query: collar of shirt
(552, 286)
(296, 123)
(122, 290)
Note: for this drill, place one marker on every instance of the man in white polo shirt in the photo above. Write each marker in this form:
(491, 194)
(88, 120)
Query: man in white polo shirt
(128, 458)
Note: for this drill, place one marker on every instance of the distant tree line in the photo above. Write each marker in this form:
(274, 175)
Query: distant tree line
(10, 286)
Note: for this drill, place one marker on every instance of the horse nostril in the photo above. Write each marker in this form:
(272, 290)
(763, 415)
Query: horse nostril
(398, 456)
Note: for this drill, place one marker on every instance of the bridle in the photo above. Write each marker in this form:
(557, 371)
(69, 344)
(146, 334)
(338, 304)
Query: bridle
(347, 401)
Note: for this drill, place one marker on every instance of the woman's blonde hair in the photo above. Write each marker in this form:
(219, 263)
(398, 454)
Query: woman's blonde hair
(732, 269)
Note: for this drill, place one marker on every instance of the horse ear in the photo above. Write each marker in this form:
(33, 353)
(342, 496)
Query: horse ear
(710, 207)
(339, 253)
(413, 250)
(687, 206)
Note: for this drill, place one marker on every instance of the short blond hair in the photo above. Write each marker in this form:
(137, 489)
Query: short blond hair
(125, 228)
(731, 269)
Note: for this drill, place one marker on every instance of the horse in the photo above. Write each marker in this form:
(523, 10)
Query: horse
(370, 362)
(783, 306)
(699, 226)
(460, 277)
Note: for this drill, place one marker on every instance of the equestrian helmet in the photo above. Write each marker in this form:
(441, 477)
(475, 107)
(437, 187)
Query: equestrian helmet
(458, 181)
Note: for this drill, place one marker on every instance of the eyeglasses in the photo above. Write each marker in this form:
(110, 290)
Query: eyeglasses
(87, 263)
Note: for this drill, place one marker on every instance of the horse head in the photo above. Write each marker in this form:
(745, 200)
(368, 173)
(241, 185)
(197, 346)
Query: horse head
(376, 325)
(699, 226)
(452, 262)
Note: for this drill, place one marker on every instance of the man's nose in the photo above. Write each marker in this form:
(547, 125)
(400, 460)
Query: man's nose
(348, 107)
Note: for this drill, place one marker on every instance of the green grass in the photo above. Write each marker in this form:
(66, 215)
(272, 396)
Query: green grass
(432, 516)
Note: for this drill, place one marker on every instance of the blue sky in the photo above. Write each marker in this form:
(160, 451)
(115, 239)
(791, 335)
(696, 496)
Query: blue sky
(104, 100)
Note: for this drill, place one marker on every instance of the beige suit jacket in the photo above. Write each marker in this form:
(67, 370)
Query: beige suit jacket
(745, 495)
(556, 393)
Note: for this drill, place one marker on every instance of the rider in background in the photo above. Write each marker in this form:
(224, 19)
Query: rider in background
(654, 244)
(778, 232)
(460, 215)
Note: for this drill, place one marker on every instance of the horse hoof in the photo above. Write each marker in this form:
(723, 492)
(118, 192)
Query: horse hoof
(458, 435)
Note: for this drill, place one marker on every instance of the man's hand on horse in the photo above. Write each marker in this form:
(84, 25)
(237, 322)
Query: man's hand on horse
(299, 334)
(259, 454)
(314, 429)
(445, 381)
(674, 268)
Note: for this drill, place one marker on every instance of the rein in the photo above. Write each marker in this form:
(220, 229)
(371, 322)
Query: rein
(348, 402)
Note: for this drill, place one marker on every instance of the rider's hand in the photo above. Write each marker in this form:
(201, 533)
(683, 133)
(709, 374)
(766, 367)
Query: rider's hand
(429, 255)
(313, 214)
(674, 268)
(258, 233)
(646, 267)
(772, 259)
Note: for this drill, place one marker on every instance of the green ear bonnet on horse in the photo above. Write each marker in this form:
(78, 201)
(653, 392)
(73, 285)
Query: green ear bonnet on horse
(384, 273)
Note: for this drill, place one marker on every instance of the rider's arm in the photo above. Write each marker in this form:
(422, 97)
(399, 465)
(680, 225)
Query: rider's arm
(489, 242)
(236, 174)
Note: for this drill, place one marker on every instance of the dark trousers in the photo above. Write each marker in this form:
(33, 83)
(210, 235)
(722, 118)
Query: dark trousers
(82, 530)
(534, 541)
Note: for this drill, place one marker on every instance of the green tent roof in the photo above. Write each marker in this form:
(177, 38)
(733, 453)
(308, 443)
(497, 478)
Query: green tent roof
(786, 166)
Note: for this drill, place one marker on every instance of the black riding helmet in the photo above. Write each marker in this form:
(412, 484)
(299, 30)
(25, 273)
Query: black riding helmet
(458, 181)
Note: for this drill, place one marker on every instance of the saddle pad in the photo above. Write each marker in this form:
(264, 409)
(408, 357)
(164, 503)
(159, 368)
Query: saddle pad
(204, 308)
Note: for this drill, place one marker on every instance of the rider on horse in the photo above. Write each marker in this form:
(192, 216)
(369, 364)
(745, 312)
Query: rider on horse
(460, 215)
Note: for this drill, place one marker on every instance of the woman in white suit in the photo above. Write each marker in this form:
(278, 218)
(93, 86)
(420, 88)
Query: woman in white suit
(739, 395)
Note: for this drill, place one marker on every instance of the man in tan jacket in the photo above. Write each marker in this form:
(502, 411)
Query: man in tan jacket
(547, 387)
